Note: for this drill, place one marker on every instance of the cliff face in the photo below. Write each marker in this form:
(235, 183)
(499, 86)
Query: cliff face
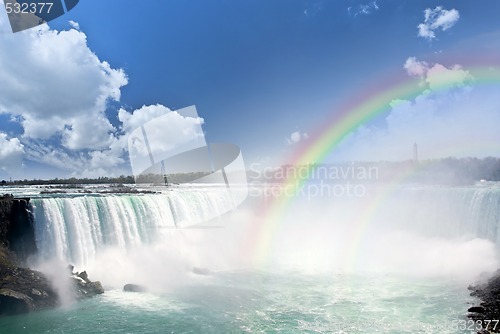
(5, 211)
(16, 227)
(21, 289)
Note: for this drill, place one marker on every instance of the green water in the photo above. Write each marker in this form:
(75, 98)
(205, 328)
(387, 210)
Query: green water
(258, 302)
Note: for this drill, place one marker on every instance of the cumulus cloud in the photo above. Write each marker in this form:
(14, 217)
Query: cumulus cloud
(11, 153)
(416, 68)
(437, 75)
(296, 137)
(55, 85)
(136, 118)
(169, 129)
(437, 18)
(107, 162)
(58, 90)
(172, 131)
(459, 119)
(157, 132)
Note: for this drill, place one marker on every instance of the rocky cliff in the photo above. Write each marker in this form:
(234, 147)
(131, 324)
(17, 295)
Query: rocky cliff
(23, 289)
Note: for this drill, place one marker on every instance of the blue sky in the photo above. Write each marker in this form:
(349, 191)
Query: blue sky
(263, 75)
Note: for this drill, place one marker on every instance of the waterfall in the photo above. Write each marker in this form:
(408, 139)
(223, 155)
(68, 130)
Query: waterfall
(75, 228)
(448, 212)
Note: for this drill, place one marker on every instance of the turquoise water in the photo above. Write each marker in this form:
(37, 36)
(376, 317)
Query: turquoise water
(258, 302)
(421, 250)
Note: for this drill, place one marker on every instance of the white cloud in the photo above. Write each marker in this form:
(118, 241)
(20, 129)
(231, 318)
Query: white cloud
(444, 120)
(439, 75)
(171, 128)
(169, 134)
(106, 162)
(11, 153)
(55, 85)
(138, 117)
(172, 131)
(416, 68)
(114, 159)
(437, 18)
(296, 137)
(74, 24)
(436, 75)
(58, 90)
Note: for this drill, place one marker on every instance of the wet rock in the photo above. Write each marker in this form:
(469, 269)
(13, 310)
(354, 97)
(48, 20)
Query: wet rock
(201, 271)
(85, 288)
(97, 287)
(84, 276)
(22, 289)
(14, 302)
(134, 288)
(476, 309)
(488, 310)
(35, 292)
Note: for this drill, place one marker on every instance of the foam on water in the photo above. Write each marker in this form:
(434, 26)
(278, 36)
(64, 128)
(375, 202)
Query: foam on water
(425, 245)
(256, 302)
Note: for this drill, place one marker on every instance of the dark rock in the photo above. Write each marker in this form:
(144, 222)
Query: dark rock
(134, 288)
(488, 310)
(201, 271)
(29, 283)
(86, 288)
(476, 309)
(17, 226)
(84, 276)
(13, 302)
(17, 231)
(35, 292)
(97, 287)
(22, 289)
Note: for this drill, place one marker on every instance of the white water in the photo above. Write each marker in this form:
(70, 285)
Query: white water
(77, 228)
(448, 212)
(332, 266)
(417, 230)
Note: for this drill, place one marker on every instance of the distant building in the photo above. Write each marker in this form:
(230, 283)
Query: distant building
(415, 152)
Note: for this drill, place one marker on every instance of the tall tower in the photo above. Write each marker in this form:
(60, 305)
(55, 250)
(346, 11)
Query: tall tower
(415, 152)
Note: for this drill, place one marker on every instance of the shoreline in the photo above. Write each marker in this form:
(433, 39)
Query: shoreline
(487, 311)
(31, 290)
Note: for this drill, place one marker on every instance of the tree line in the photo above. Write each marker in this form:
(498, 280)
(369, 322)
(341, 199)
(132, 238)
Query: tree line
(448, 170)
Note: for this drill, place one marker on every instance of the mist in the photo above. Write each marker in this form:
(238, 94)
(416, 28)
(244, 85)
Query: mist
(405, 236)
(415, 232)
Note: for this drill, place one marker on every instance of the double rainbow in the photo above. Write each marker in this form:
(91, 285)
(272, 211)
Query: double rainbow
(360, 110)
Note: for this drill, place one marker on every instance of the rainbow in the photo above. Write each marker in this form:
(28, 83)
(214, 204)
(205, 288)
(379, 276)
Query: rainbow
(361, 109)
